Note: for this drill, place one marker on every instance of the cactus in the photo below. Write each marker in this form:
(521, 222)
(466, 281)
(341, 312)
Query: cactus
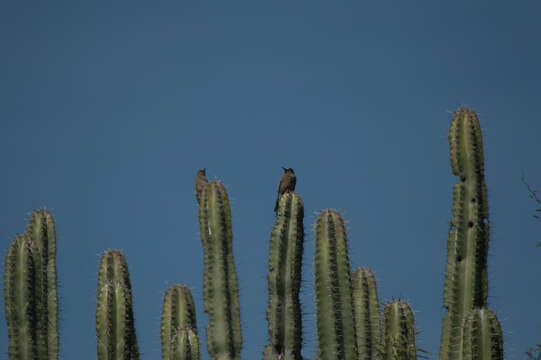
(483, 338)
(466, 272)
(115, 326)
(178, 325)
(19, 299)
(284, 280)
(220, 289)
(367, 316)
(398, 339)
(41, 230)
(335, 324)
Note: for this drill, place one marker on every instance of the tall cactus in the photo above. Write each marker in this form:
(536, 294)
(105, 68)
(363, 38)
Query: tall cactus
(335, 324)
(115, 326)
(41, 229)
(179, 325)
(398, 339)
(367, 316)
(466, 272)
(220, 288)
(19, 299)
(483, 338)
(284, 281)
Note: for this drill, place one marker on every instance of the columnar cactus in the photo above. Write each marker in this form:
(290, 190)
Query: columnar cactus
(179, 325)
(284, 281)
(398, 339)
(41, 230)
(483, 338)
(335, 320)
(115, 326)
(367, 315)
(19, 299)
(466, 273)
(220, 289)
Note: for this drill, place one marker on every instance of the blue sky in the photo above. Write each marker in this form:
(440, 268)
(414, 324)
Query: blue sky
(109, 109)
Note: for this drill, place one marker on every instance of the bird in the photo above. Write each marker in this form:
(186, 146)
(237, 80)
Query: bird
(286, 185)
(199, 183)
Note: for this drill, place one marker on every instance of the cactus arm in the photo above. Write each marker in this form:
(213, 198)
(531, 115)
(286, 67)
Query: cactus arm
(115, 327)
(366, 309)
(466, 270)
(178, 314)
(398, 341)
(220, 290)
(41, 229)
(335, 324)
(483, 338)
(19, 299)
(284, 279)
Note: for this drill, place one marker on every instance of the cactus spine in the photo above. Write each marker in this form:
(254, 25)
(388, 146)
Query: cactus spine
(41, 230)
(483, 338)
(220, 290)
(19, 299)
(115, 326)
(284, 280)
(398, 341)
(335, 324)
(179, 325)
(466, 271)
(367, 316)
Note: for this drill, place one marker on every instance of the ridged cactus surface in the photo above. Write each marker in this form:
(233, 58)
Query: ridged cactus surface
(367, 314)
(398, 341)
(19, 299)
(284, 281)
(483, 339)
(220, 288)
(115, 326)
(179, 325)
(41, 229)
(335, 320)
(466, 271)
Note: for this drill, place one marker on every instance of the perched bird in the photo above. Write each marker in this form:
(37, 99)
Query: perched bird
(199, 184)
(287, 184)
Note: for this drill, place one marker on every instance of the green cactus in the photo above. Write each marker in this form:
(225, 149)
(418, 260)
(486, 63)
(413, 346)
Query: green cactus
(41, 230)
(398, 338)
(284, 281)
(179, 325)
(466, 272)
(220, 288)
(185, 345)
(367, 315)
(19, 299)
(483, 338)
(335, 320)
(115, 326)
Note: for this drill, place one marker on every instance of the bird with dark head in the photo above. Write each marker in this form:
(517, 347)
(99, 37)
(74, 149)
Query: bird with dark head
(287, 184)
(199, 184)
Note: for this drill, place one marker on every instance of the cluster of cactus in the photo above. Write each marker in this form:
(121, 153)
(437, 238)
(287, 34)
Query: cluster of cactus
(351, 322)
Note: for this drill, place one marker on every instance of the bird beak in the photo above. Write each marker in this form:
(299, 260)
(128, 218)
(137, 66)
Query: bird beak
(284, 168)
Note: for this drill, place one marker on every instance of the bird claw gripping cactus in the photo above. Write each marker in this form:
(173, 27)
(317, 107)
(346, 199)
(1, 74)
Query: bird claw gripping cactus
(115, 326)
(335, 318)
(284, 281)
(179, 325)
(30, 291)
(220, 288)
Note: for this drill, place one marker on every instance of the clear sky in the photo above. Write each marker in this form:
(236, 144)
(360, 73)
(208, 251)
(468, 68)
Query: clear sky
(108, 109)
